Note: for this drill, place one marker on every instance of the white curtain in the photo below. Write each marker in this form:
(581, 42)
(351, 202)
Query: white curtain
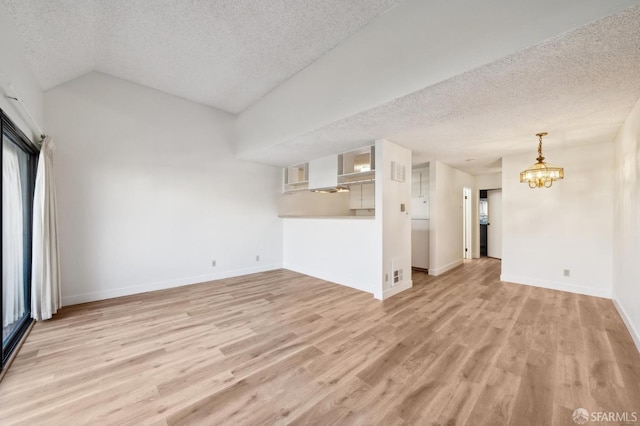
(45, 270)
(12, 237)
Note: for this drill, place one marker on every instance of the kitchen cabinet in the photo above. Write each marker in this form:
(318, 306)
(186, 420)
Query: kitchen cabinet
(362, 196)
(296, 178)
(360, 161)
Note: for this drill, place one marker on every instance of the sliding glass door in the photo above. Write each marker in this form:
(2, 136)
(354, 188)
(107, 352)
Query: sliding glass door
(18, 180)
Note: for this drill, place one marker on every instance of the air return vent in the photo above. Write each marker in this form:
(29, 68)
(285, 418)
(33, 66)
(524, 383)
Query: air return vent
(398, 172)
(397, 276)
(397, 273)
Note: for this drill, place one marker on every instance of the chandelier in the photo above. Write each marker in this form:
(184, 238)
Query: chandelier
(541, 174)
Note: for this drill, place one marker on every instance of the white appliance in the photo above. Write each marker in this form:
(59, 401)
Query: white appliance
(419, 208)
(420, 218)
(420, 243)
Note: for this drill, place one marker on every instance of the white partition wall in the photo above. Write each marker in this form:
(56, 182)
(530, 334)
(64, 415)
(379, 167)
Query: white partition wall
(393, 199)
(368, 253)
(341, 250)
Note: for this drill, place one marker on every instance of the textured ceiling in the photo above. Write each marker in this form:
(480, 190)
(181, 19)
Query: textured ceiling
(579, 87)
(223, 53)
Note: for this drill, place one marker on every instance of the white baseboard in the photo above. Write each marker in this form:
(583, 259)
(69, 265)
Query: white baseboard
(326, 275)
(405, 285)
(635, 335)
(75, 299)
(552, 285)
(441, 270)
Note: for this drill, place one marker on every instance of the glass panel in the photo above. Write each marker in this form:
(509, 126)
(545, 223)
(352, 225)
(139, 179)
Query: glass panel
(14, 302)
(484, 211)
(18, 173)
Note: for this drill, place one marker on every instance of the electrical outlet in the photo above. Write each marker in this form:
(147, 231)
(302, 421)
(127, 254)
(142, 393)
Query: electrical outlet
(258, 258)
(566, 272)
(213, 263)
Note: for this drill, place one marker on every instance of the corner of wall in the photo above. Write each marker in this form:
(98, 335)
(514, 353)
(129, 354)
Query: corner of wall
(391, 194)
(446, 268)
(635, 334)
(626, 226)
(387, 293)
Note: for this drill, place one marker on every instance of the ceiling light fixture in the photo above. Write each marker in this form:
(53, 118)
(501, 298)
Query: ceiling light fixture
(541, 174)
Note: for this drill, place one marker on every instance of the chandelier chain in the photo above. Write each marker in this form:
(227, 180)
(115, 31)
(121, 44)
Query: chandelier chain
(540, 157)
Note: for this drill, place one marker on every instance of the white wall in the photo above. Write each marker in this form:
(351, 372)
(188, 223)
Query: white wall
(567, 226)
(626, 230)
(490, 181)
(343, 251)
(446, 235)
(149, 192)
(396, 224)
(14, 70)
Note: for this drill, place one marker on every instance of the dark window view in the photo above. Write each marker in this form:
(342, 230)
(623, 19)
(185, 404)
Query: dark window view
(483, 211)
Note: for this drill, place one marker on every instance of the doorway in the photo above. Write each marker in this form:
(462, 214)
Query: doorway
(490, 215)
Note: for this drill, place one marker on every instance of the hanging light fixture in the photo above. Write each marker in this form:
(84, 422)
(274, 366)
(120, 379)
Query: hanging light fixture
(541, 174)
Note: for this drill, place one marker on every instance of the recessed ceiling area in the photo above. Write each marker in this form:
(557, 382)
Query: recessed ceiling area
(488, 86)
(579, 87)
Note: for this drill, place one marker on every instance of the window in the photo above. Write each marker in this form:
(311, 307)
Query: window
(19, 158)
(484, 211)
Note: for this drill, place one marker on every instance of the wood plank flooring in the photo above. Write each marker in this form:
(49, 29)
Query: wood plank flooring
(283, 348)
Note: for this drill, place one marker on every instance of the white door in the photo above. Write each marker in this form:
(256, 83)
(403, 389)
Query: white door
(494, 227)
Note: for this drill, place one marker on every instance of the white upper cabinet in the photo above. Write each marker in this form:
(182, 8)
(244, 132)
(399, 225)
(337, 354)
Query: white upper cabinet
(296, 178)
(357, 162)
(323, 172)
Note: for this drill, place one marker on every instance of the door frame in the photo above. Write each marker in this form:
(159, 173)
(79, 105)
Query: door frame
(496, 224)
(467, 227)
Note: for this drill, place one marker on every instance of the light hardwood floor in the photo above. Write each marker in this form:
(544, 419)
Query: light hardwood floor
(283, 348)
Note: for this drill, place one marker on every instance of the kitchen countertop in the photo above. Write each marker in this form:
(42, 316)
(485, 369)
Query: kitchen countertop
(326, 217)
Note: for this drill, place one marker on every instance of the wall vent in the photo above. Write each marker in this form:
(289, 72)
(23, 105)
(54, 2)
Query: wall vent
(397, 273)
(397, 276)
(398, 172)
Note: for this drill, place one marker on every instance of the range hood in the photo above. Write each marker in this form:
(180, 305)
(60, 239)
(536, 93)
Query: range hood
(323, 175)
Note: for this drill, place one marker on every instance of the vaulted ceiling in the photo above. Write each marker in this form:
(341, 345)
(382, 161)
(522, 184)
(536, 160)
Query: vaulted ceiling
(223, 53)
(466, 83)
